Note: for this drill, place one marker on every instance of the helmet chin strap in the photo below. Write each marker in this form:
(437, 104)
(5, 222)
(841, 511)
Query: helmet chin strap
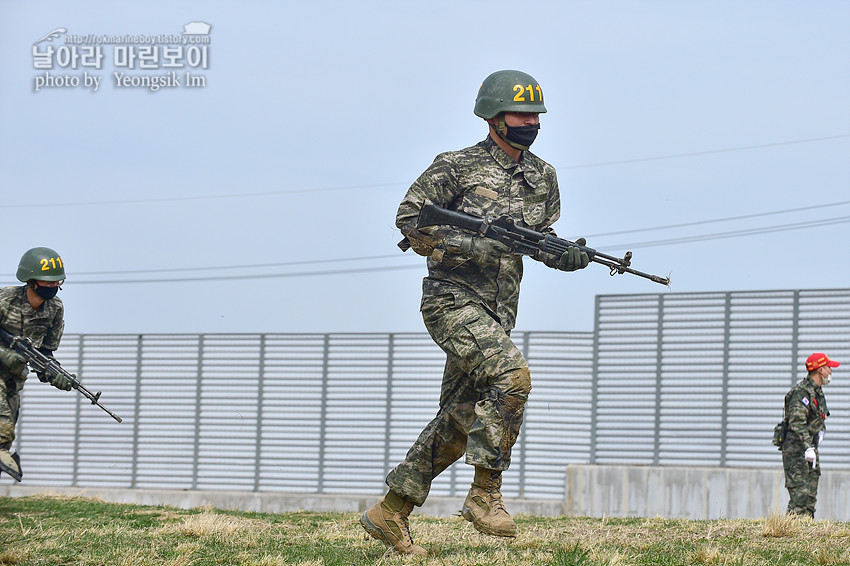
(502, 130)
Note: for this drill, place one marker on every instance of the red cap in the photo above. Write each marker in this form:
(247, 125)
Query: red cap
(819, 360)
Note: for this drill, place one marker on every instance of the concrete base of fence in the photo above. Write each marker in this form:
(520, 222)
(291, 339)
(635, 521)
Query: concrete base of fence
(591, 491)
(273, 502)
(694, 492)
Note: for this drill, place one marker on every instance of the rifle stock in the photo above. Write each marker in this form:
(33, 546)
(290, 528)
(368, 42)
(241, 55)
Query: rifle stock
(47, 367)
(524, 240)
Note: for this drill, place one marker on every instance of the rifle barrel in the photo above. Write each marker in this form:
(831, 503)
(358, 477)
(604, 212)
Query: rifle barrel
(47, 366)
(526, 241)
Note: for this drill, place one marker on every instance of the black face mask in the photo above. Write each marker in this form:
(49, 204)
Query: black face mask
(522, 135)
(46, 293)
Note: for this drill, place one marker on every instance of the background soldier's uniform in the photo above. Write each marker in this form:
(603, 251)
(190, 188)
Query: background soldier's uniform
(805, 410)
(469, 309)
(44, 327)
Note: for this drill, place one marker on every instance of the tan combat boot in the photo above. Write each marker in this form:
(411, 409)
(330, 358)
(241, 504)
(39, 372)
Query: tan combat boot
(484, 506)
(387, 522)
(11, 464)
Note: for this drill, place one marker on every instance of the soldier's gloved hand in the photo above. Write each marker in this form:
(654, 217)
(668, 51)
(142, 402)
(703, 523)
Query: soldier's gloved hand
(483, 251)
(571, 260)
(820, 436)
(59, 381)
(422, 241)
(14, 362)
(810, 455)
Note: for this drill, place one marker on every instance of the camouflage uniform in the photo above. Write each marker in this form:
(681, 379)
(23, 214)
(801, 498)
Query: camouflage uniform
(805, 410)
(44, 326)
(470, 309)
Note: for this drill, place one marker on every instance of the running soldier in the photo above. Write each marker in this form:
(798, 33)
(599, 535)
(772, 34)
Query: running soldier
(469, 306)
(34, 311)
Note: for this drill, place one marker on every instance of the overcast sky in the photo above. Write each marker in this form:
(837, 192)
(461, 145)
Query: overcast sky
(710, 138)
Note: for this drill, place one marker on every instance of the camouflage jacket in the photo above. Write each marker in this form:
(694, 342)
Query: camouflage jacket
(44, 326)
(805, 409)
(480, 180)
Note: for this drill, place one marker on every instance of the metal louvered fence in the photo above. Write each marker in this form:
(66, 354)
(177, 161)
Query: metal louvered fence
(663, 379)
(699, 379)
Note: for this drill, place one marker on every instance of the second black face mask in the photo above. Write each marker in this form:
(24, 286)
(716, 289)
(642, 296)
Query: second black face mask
(523, 135)
(46, 293)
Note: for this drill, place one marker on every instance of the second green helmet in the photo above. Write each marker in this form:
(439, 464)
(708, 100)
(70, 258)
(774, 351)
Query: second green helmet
(43, 264)
(508, 91)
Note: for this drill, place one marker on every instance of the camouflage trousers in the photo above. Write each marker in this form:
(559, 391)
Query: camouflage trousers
(801, 480)
(485, 385)
(10, 404)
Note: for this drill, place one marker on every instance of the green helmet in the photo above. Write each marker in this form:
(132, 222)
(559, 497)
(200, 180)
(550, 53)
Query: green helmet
(42, 264)
(508, 91)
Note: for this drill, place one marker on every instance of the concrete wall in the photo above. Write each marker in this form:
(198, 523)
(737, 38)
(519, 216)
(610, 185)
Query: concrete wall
(272, 502)
(591, 491)
(694, 492)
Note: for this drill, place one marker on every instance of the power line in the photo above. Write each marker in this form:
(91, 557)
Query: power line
(200, 197)
(727, 219)
(373, 185)
(377, 269)
(707, 152)
(393, 256)
(246, 266)
(260, 276)
(734, 233)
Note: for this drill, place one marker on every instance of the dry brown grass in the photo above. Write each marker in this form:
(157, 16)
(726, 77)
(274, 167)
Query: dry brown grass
(780, 525)
(14, 556)
(62, 530)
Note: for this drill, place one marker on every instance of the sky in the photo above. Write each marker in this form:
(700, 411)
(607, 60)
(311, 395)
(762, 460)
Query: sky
(709, 138)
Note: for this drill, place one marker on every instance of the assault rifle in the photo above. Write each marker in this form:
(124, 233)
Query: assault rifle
(525, 241)
(47, 368)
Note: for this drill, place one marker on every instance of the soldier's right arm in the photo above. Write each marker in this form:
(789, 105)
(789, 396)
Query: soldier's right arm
(13, 362)
(797, 414)
(439, 185)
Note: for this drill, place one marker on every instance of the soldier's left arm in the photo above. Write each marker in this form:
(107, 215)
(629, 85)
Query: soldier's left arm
(56, 330)
(553, 200)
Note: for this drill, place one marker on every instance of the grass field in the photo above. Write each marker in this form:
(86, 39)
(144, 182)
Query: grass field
(58, 530)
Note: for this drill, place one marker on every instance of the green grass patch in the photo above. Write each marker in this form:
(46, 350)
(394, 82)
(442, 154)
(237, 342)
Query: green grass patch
(56, 530)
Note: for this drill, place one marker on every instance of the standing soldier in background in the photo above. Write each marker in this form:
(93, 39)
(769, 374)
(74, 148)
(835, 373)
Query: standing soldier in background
(33, 311)
(805, 413)
(469, 306)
